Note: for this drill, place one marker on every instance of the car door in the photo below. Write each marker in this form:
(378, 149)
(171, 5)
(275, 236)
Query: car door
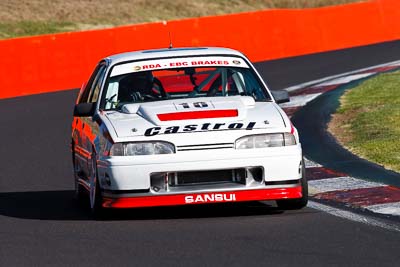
(86, 129)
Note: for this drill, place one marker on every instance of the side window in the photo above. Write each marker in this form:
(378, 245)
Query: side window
(95, 90)
(87, 93)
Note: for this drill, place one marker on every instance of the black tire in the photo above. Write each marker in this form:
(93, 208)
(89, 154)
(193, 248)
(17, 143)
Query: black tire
(80, 192)
(95, 198)
(297, 203)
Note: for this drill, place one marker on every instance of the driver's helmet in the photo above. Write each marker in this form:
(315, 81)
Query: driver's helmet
(135, 85)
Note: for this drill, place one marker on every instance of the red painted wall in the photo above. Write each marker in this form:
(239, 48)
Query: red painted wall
(63, 61)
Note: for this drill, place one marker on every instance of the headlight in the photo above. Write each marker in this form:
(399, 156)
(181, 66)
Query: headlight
(142, 148)
(265, 140)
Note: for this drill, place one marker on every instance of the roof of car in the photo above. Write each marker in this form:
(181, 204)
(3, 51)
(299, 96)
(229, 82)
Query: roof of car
(172, 52)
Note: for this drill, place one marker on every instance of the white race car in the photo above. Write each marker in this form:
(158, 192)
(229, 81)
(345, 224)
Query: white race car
(183, 126)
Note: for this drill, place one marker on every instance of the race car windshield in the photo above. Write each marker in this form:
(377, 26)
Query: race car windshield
(180, 83)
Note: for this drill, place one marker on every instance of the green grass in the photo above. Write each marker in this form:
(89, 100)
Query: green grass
(28, 28)
(368, 120)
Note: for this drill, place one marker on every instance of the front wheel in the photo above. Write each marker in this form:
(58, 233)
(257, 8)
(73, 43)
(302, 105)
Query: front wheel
(95, 197)
(79, 190)
(297, 203)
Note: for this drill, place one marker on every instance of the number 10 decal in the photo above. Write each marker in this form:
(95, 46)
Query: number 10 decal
(193, 105)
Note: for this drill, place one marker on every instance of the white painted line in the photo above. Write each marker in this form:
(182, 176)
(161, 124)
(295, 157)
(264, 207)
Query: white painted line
(310, 163)
(353, 216)
(395, 63)
(346, 79)
(314, 82)
(299, 101)
(341, 183)
(387, 208)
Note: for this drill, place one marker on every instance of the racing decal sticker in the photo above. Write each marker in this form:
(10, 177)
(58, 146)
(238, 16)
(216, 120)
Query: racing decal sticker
(209, 198)
(198, 128)
(194, 105)
(171, 63)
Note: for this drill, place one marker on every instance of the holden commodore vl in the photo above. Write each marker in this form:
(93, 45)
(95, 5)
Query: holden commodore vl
(183, 126)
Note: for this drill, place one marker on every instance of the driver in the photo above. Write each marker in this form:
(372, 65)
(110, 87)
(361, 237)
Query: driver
(137, 87)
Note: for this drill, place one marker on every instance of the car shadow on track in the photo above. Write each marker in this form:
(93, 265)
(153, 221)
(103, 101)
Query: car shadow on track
(60, 205)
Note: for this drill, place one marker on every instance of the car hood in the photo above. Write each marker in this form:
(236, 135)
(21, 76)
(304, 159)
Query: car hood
(194, 115)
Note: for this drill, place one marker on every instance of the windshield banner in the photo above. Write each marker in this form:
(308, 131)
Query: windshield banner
(172, 63)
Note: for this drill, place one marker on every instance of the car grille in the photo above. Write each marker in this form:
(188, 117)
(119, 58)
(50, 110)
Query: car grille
(205, 146)
(207, 177)
(165, 181)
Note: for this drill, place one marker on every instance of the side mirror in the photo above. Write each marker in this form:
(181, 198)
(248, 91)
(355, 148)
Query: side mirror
(280, 96)
(84, 109)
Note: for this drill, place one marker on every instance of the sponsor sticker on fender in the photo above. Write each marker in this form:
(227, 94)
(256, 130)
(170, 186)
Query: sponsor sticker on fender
(172, 63)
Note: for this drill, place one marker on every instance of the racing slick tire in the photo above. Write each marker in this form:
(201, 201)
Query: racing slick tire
(95, 198)
(297, 203)
(79, 193)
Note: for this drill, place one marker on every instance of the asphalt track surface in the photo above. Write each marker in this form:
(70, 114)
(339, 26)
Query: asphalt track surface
(41, 225)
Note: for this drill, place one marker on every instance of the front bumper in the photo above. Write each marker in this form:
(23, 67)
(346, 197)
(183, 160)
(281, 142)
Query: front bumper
(128, 181)
(130, 172)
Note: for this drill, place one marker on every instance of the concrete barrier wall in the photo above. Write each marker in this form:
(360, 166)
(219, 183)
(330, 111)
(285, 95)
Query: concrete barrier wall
(55, 62)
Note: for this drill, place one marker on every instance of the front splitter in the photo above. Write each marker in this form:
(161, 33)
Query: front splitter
(204, 198)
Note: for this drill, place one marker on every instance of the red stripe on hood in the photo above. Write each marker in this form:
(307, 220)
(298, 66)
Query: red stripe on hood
(193, 115)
